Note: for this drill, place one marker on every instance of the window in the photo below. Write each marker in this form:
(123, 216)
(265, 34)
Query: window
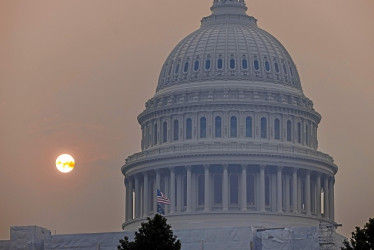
(244, 64)
(218, 126)
(155, 134)
(233, 127)
(217, 182)
(277, 129)
(186, 65)
(170, 69)
(250, 189)
(176, 130)
(263, 128)
(201, 190)
(267, 66)
(207, 64)
(202, 127)
(276, 66)
(189, 128)
(256, 64)
(177, 69)
(164, 132)
(299, 132)
(289, 131)
(220, 63)
(196, 65)
(284, 69)
(291, 71)
(307, 135)
(248, 126)
(234, 191)
(232, 63)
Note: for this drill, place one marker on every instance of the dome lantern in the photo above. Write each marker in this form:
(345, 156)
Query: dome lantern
(225, 7)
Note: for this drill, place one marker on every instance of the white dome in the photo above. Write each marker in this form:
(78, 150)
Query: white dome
(229, 46)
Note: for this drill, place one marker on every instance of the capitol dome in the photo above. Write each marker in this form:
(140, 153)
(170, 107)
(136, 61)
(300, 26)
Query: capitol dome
(229, 46)
(229, 137)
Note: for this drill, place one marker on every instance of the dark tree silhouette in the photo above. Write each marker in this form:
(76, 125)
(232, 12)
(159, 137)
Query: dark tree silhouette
(362, 239)
(155, 234)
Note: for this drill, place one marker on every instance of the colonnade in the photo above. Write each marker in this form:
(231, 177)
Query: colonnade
(241, 188)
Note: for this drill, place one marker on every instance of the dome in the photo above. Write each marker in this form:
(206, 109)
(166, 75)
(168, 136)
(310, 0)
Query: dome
(229, 46)
(229, 135)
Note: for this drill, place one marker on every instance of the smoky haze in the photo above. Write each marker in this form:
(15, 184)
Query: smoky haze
(74, 75)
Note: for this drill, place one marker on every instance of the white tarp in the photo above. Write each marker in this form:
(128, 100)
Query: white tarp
(300, 238)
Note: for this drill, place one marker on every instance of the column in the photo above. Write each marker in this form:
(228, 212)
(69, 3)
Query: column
(189, 189)
(318, 196)
(287, 187)
(262, 188)
(244, 188)
(179, 193)
(131, 200)
(307, 193)
(157, 184)
(326, 197)
(225, 189)
(279, 190)
(206, 188)
(167, 193)
(299, 207)
(331, 198)
(127, 200)
(137, 196)
(146, 195)
(294, 190)
(172, 190)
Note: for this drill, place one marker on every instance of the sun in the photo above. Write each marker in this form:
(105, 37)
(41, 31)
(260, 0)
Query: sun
(65, 163)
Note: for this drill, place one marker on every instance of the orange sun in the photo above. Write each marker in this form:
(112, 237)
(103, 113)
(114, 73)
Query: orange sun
(65, 163)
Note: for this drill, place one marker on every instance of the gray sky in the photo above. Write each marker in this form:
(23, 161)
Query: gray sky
(74, 75)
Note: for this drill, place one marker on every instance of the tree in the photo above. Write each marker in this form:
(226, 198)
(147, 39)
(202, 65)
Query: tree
(362, 239)
(155, 234)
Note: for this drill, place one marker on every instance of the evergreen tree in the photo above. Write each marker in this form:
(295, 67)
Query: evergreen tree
(362, 239)
(155, 234)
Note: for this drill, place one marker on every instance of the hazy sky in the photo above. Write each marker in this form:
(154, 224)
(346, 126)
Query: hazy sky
(74, 75)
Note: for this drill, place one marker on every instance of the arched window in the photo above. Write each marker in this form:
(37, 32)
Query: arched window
(277, 129)
(165, 132)
(248, 126)
(218, 126)
(289, 131)
(267, 66)
(285, 69)
(170, 69)
(176, 130)
(276, 66)
(155, 134)
(207, 64)
(264, 132)
(234, 191)
(200, 190)
(176, 69)
(251, 189)
(186, 65)
(299, 132)
(219, 63)
(202, 127)
(232, 63)
(256, 64)
(196, 65)
(244, 64)
(307, 135)
(233, 126)
(189, 128)
(217, 183)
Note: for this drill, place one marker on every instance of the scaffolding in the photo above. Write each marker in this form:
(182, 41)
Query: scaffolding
(327, 237)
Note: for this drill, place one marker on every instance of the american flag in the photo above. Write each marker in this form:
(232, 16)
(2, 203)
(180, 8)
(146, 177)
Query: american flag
(161, 198)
